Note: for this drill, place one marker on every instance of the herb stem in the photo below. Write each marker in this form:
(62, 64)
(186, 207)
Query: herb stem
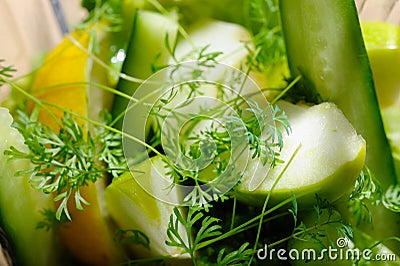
(288, 87)
(109, 128)
(245, 225)
(269, 196)
(31, 97)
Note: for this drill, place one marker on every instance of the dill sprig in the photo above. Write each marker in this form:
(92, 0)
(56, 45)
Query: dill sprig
(63, 163)
(109, 11)
(209, 228)
(366, 189)
(6, 71)
(267, 45)
(239, 256)
(328, 221)
(255, 128)
(391, 198)
(131, 237)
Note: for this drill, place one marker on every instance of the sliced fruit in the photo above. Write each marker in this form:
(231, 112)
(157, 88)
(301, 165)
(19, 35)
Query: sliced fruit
(216, 36)
(132, 201)
(21, 205)
(379, 34)
(63, 80)
(330, 155)
(232, 41)
(382, 41)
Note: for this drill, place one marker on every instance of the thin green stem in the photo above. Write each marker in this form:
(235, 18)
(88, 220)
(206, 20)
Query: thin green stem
(288, 87)
(241, 227)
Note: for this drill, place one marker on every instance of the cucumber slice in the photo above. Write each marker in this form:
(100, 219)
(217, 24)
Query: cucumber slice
(329, 158)
(325, 45)
(151, 33)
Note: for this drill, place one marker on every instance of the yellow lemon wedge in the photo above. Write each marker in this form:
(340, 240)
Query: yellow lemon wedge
(63, 81)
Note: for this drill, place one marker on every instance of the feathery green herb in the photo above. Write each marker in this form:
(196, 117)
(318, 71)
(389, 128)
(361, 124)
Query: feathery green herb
(366, 190)
(6, 71)
(65, 162)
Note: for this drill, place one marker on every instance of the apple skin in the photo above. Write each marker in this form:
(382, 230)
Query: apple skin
(330, 188)
(327, 163)
(140, 200)
(21, 205)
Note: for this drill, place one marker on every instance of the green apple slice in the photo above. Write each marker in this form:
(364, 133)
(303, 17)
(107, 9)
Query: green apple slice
(21, 205)
(133, 206)
(232, 41)
(323, 154)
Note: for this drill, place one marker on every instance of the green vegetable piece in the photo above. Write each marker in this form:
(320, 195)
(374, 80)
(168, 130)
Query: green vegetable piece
(21, 205)
(325, 45)
(152, 36)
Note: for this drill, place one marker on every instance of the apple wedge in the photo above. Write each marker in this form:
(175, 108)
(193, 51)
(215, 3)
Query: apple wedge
(21, 205)
(323, 155)
(132, 201)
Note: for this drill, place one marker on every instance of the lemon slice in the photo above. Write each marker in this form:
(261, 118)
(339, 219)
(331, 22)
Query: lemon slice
(63, 81)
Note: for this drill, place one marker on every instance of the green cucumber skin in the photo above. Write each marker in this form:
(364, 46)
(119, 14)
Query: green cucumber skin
(325, 46)
(147, 46)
